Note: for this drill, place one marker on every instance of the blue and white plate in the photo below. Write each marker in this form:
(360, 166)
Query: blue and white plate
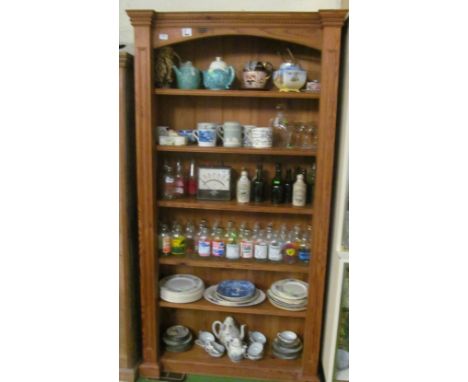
(236, 289)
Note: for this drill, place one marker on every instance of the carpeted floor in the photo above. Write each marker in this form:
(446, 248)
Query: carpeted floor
(202, 378)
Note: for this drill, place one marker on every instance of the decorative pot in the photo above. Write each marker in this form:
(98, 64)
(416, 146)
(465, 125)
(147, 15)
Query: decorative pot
(219, 76)
(289, 77)
(188, 76)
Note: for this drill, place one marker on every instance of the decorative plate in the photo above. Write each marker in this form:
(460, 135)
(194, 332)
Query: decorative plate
(236, 289)
(291, 289)
(181, 283)
(285, 307)
(210, 295)
(285, 301)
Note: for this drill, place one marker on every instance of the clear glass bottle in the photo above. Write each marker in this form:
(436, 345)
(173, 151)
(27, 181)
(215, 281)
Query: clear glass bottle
(289, 249)
(243, 188)
(299, 192)
(218, 247)
(260, 246)
(178, 241)
(202, 224)
(274, 247)
(164, 241)
(168, 183)
(204, 243)
(190, 240)
(232, 243)
(179, 181)
(246, 246)
(304, 250)
(277, 186)
(279, 123)
(255, 229)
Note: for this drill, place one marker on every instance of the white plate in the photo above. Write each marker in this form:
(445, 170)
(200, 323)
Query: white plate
(292, 289)
(286, 308)
(210, 295)
(285, 301)
(181, 283)
(240, 301)
(181, 299)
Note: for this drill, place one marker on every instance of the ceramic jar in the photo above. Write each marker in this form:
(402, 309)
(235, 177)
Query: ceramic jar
(188, 76)
(219, 75)
(290, 77)
(256, 75)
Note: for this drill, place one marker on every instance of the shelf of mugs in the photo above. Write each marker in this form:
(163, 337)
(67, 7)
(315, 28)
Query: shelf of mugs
(233, 205)
(250, 265)
(237, 93)
(278, 151)
(196, 359)
(265, 308)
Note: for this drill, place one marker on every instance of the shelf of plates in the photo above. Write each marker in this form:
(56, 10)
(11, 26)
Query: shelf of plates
(315, 40)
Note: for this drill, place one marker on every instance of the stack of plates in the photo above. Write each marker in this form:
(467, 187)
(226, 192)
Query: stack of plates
(235, 293)
(289, 294)
(287, 345)
(178, 339)
(181, 289)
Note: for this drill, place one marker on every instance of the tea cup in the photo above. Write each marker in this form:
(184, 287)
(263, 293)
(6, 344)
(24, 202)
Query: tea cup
(165, 140)
(205, 337)
(246, 140)
(287, 336)
(257, 337)
(261, 137)
(206, 134)
(189, 135)
(255, 351)
(231, 134)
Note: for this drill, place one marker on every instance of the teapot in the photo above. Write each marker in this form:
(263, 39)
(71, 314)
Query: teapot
(188, 76)
(256, 74)
(219, 76)
(236, 349)
(227, 330)
(290, 77)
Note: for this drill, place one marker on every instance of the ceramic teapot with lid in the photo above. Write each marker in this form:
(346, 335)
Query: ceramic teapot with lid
(227, 330)
(236, 350)
(256, 74)
(219, 75)
(290, 77)
(188, 76)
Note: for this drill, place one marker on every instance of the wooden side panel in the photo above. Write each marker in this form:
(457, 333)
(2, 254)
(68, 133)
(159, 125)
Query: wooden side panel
(142, 22)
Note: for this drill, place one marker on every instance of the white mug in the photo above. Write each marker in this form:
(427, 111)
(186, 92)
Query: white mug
(246, 141)
(206, 134)
(261, 137)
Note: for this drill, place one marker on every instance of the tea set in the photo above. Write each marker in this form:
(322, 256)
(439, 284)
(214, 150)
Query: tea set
(289, 77)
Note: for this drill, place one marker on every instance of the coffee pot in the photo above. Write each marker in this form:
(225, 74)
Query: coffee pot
(227, 330)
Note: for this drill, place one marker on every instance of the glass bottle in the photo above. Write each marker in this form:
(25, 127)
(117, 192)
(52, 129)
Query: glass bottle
(279, 123)
(277, 188)
(304, 246)
(164, 241)
(179, 182)
(274, 247)
(192, 180)
(299, 192)
(246, 246)
(288, 186)
(168, 182)
(204, 244)
(258, 186)
(260, 246)
(218, 248)
(232, 243)
(255, 229)
(190, 240)
(200, 226)
(289, 249)
(178, 241)
(243, 188)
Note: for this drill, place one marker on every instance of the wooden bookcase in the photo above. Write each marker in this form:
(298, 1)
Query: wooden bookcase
(238, 37)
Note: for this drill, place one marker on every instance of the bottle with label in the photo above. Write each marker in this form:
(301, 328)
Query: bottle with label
(255, 229)
(164, 241)
(204, 243)
(246, 246)
(243, 188)
(190, 240)
(218, 248)
(179, 182)
(177, 241)
(289, 249)
(304, 246)
(274, 247)
(232, 243)
(277, 186)
(192, 180)
(288, 186)
(260, 246)
(258, 186)
(202, 224)
(299, 192)
(168, 183)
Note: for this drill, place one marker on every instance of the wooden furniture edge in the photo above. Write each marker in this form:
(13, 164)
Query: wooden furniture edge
(128, 374)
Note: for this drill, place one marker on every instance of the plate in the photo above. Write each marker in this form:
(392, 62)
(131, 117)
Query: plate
(291, 309)
(183, 299)
(181, 283)
(285, 301)
(210, 295)
(238, 300)
(284, 350)
(284, 356)
(291, 289)
(236, 289)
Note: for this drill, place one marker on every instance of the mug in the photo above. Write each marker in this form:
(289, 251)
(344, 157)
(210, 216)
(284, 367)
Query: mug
(261, 137)
(231, 134)
(189, 135)
(246, 138)
(206, 134)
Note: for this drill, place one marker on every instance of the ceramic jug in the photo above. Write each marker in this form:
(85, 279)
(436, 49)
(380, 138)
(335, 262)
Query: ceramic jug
(236, 350)
(227, 330)
(290, 77)
(188, 76)
(219, 76)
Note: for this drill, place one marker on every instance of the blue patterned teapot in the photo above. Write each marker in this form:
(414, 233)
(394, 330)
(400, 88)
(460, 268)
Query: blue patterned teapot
(219, 76)
(188, 76)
